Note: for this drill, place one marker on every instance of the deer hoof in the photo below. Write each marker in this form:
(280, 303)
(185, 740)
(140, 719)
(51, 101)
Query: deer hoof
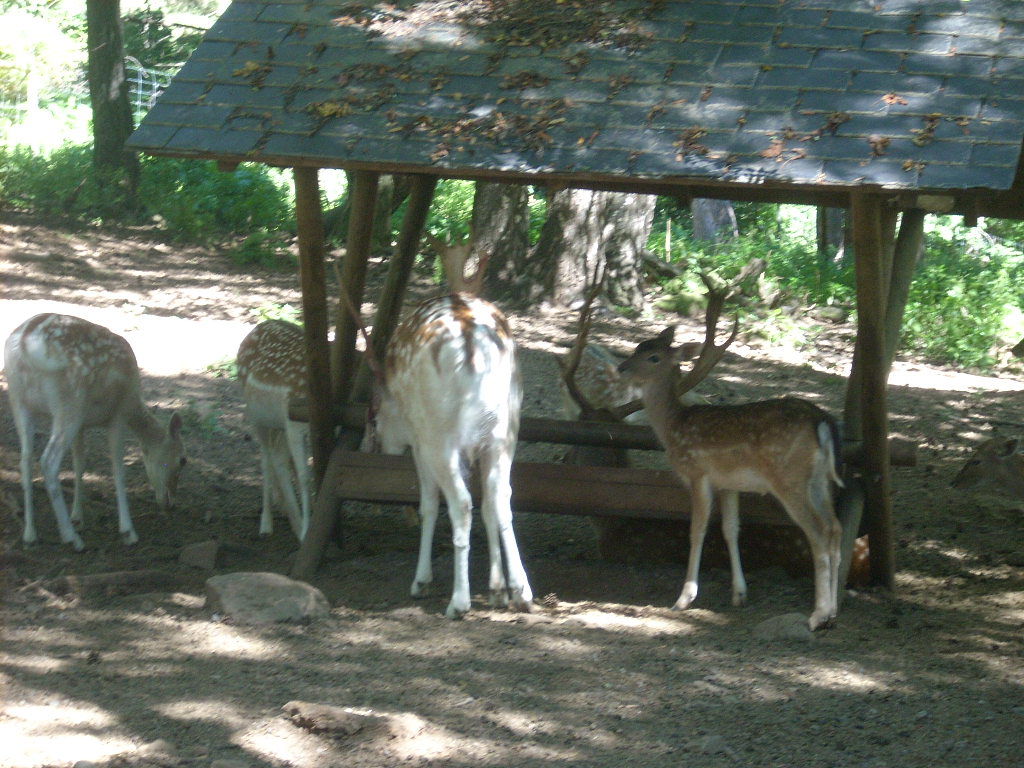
(455, 612)
(129, 537)
(821, 622)
(420, 589)
(498, 598)
(739, 599)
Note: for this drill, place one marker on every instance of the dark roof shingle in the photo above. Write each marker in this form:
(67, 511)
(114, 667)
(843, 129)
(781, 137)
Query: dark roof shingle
(898, 93)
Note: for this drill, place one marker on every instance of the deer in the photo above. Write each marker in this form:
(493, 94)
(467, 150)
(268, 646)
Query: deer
(272, 372)
(451, 390)
(787, 447)
(999, 461)
(79, 375)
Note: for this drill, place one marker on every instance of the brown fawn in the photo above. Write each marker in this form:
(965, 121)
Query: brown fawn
(78, 374)
(787, 447)
(451, 390)
(998, 462)
(272, 372)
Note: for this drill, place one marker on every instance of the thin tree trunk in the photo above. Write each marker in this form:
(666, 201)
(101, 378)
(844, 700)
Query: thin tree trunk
(713, 220)
(108, 91)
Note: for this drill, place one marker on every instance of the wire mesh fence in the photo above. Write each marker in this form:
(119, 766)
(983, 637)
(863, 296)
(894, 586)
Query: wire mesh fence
(144, 87)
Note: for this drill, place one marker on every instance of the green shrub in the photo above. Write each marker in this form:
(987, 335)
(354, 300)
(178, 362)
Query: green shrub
(196, 201)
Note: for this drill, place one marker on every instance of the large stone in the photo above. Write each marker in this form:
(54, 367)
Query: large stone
(264, 598)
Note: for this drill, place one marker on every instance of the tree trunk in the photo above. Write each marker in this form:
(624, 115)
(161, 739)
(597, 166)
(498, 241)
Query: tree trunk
(713, 220)
(501, 229)
(108, 90)
(394, 190)
(584, 231)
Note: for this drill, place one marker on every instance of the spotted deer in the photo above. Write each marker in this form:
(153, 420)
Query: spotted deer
(76, 375)
(997, 462)
(451, 390)
(787, 447)
(272, 371)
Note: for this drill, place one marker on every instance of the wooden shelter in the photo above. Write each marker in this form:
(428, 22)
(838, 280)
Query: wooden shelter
(885, 107)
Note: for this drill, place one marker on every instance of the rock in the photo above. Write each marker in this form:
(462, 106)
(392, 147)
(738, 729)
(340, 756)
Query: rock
(789, 627)
(264, 598)
(202, 555)
(338, 722)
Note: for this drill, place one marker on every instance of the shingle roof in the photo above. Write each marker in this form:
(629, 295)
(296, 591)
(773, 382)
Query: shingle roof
(899, 93)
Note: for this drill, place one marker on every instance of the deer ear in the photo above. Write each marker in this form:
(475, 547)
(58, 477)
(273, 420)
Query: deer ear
(667, 335)
(689, 350)
(175, 425)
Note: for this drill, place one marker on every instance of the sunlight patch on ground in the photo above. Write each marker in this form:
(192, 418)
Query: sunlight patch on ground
(212, 711)
(924, 377)
(59, 733)
(226, 640)
(641, 625)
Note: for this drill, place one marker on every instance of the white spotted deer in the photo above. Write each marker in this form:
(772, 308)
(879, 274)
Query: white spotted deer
(272, 372)
(451, 390)
(76, 375)
(787, 447)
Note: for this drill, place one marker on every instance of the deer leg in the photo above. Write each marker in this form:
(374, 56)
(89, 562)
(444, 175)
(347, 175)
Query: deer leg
(26, 436)
(429, 500)
(729, 502)
(50, 461)
(460, 511)
(264, 439)
(497, 507)
(115, 440)
(819, 537)
(700, 510)
(298, 446)
(78, 463)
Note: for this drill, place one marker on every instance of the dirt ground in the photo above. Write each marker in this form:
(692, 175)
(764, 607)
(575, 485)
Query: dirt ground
(604, 674)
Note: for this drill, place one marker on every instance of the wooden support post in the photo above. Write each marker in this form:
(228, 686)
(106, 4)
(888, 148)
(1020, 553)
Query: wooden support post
(353, 278)
(389, 307)
(872, 294)
(312, 278)
(906, 253)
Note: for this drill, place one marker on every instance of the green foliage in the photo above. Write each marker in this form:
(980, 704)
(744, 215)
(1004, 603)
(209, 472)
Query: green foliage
(196, 201)
(153, 42)
(264, 248)
(62, 182)
(287, 312)
(961, 296)
(452, 210)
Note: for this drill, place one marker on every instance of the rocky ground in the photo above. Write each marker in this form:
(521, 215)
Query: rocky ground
(603, 674)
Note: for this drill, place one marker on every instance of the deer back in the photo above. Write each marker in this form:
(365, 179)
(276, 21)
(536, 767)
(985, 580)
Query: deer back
(272, 369)
(450, 375)
(57, 362)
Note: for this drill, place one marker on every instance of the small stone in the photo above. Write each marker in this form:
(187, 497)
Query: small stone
(264, 598)
(789, 627)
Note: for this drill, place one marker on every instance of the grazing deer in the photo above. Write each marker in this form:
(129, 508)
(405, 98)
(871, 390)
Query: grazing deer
(998, 461)
(272, 371)
(451, 390)
(786, 447)
(77, 375)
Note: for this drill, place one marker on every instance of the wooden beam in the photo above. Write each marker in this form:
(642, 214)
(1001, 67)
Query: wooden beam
(602, 434)
(872, 295)
(544, 487)
(389, 306)
(353, 279)
(312, 278)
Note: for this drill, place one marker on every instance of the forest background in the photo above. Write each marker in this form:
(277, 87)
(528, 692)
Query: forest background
(966, 303)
